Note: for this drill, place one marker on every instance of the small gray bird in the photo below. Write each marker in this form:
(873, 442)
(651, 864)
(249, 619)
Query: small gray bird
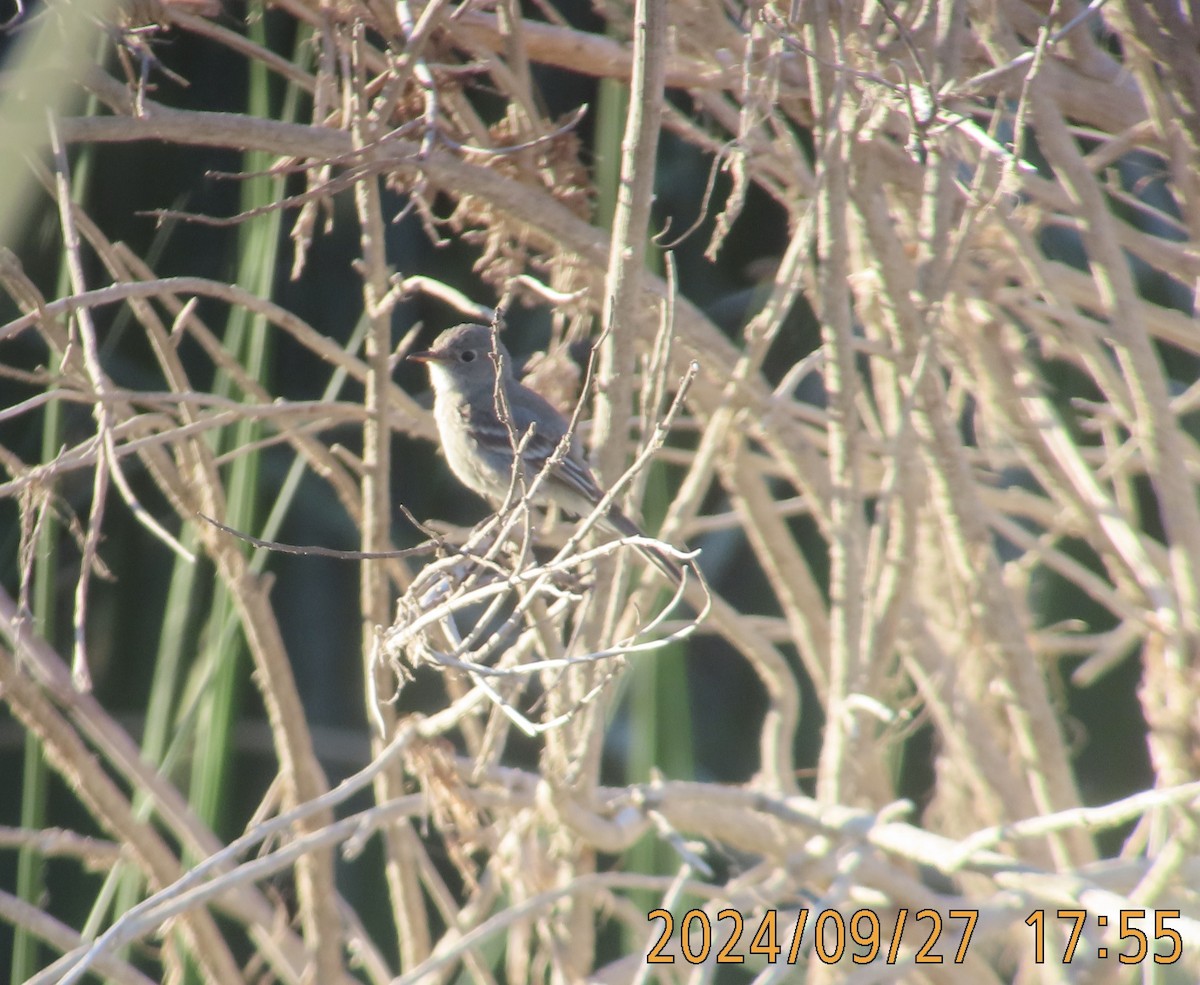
(479, 445)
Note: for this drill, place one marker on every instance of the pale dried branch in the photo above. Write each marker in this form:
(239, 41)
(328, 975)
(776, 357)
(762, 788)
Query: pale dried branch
(942, 466)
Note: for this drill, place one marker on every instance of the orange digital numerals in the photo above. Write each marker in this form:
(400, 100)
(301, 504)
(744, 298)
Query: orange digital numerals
(830, 931)
(1129, 928)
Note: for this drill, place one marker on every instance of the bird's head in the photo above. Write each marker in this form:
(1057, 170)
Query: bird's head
(464, 358)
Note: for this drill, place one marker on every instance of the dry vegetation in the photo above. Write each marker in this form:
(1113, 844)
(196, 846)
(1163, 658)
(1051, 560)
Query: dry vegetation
(959, 154)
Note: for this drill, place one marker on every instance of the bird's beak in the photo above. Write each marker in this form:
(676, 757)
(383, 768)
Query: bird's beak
(427, 356)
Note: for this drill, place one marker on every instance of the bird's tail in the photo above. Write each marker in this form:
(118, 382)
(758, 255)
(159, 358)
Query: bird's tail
(619, 524)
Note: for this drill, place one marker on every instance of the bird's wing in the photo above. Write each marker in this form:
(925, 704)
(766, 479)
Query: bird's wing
(529, 407)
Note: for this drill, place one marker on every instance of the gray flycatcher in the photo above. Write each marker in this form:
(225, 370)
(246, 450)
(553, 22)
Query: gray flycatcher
(479, 444)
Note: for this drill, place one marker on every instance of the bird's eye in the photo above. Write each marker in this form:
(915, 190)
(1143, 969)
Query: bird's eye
(468, 356)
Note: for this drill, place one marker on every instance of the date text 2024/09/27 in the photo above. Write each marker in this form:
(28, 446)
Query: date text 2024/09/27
(865, 929)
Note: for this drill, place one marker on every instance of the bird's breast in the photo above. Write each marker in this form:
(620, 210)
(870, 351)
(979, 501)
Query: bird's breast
(474, 466)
